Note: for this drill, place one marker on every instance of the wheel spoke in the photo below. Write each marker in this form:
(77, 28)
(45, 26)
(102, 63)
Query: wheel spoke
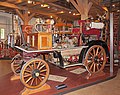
(35, 65)
(32, 81)
(89, 62)
(40, 78)
(101, 56)
(97, 67)
(91, 65)
(90, 57)
(27, 75)
(94, 51)
(42, 75)
(43, 70)
(36, 81)
(30, 67)
(91, 54)
(17, 68)
(97, 50)
(28, 71)
(100, 53)
(94, 68)
(28, 79)
(101, 62)
(42, 66)
(39, 64)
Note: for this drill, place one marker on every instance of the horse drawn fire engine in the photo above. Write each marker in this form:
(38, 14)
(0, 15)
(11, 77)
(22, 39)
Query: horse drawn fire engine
(32, 64)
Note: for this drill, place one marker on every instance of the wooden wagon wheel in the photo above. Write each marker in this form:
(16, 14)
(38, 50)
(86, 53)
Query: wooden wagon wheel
(16, 64)
(34, 73)
(95, 59)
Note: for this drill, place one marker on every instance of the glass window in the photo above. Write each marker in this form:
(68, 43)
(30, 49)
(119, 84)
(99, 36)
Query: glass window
(2, 33)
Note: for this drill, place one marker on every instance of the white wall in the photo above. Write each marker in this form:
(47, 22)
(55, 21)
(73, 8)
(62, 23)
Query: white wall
(6, 23)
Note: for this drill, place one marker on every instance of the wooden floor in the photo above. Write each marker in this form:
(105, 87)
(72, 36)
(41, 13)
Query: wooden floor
(73, 81)
(5, 67)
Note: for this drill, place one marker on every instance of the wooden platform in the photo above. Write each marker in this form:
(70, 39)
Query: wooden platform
(73, 81)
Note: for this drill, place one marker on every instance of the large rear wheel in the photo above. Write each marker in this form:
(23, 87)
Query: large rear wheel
(95, 59)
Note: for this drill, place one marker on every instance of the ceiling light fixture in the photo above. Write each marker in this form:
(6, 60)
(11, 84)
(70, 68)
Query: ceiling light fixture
(29, 1)
(44, 5)
(77, 14)
(70, 12)
(73, 13)
(48, 7)
(62, 12)
(68, 0)
(118, 10)
(34, 3)
(28, 12)
(51, 16)
(113, 5)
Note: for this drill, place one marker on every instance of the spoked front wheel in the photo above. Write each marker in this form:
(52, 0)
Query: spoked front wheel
(95, 59)
(34, 73)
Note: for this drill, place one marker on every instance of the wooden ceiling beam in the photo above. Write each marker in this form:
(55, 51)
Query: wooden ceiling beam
(75, 5)
(24, 16)
(62, 8)
(83, 7)
(80, 5)
(30, 17)
(96, 3)
(16, 1)
(43, 1)
(20, 14)
(58, 6)
(50, 14)
(43, 13)
(47, 1)
(10, 5)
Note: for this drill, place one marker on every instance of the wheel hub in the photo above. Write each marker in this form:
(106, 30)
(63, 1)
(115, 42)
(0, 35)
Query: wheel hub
(96, 59)
(35, 73)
